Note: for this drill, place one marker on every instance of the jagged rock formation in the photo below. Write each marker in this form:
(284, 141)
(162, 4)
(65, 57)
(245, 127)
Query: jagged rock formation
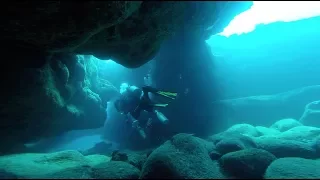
(66, 94)
(129, 32)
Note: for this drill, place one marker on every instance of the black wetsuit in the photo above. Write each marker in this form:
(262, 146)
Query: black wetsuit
(135, 102)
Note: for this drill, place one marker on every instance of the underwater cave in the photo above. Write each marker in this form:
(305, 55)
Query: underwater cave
(160, 89)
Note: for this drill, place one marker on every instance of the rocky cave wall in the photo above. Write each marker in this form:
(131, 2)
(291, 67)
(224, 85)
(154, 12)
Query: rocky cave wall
(65, 94)
(47, 90)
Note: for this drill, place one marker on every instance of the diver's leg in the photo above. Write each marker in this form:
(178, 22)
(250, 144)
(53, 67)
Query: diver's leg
(135, 123)
(141, 131)
(147, 89)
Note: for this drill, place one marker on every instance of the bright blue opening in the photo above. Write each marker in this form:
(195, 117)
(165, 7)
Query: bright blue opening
(265, 12)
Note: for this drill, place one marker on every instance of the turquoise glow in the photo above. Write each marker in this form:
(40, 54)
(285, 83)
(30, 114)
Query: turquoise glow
(265, 12)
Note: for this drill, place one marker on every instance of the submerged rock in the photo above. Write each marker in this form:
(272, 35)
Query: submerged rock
(264, 131)
(286, 148)
(304, 134)
(293, 168)
(103, 148)
(184, 156)
(5, 175)
(230, 142)
(245, 129)
(134, 158)
(115, 170)
(64, 164)
(215, 155)
(248, 163)
(285, 124)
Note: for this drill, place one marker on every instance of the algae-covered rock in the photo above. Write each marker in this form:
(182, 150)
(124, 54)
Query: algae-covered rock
(286, 148)
(184, 156)
(305, 134)
(285, 124)
(95, 159)
(64, 164)
(293, 168)
(234, 142)
(215, 155)
(264, 131)
(248, 163)
(245, 129)
(115, 170)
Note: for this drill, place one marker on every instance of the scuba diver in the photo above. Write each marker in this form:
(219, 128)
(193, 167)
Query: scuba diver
(133, 100)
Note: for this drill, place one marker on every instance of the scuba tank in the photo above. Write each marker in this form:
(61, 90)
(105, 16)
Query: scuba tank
(162, 117)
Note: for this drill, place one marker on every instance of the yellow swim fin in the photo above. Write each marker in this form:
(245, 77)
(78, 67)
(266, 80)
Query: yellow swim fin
(160, 105)
(170, 95)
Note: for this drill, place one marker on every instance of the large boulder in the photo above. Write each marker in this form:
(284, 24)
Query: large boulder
(235, 138)
(293, 168)
(304, 134)
(133, 158)
(245, 129)
(285, 124)
(236, 143)
(71, 163)
(286, 148)
(248, 163)
(183, 156)
(104, 148)
(115, 170)
(264, 131)
(65, 165)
